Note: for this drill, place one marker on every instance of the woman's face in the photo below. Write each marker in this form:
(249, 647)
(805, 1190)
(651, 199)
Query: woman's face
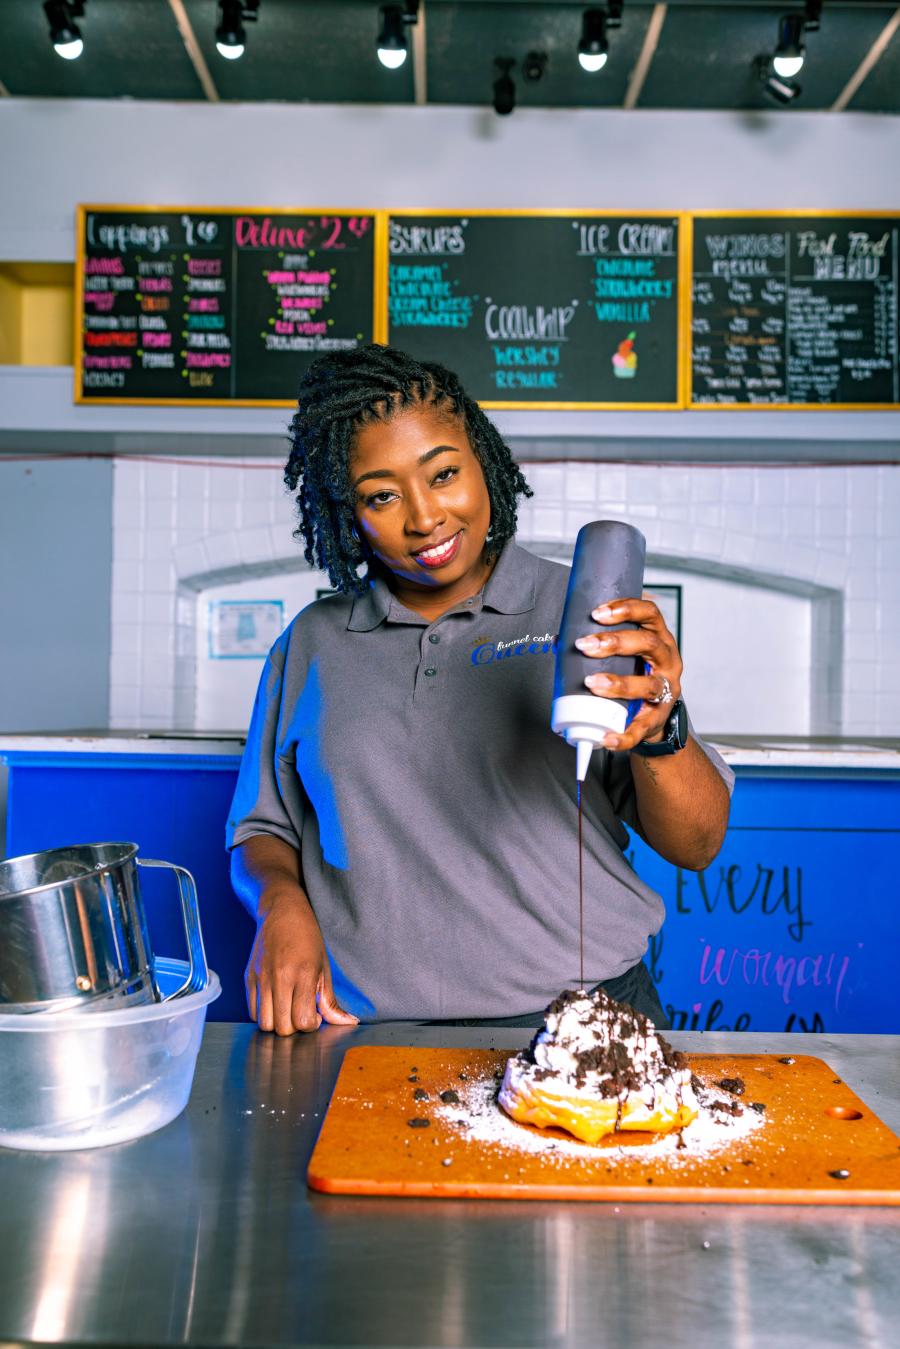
(422, 504)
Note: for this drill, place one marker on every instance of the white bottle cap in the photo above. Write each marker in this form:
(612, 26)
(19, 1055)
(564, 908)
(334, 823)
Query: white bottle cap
(583, 720)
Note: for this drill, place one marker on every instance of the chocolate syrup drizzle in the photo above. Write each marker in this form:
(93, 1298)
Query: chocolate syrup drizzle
(580, 895)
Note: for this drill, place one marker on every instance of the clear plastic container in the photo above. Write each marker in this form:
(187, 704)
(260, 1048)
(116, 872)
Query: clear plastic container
(74, 1081)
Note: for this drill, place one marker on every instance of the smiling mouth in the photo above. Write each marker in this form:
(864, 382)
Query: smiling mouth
(441, 553)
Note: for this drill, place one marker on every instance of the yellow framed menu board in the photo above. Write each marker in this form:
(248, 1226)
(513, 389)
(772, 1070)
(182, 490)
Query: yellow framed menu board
(794, 309)
(218, 306)
(544, 309)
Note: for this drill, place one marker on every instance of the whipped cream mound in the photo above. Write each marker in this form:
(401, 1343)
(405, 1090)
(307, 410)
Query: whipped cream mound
(593, 1047)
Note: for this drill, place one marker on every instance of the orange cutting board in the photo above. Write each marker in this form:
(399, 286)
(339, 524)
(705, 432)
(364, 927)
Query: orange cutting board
(812, 1126)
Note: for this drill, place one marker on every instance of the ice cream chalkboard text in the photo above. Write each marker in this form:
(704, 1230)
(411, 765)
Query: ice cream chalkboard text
(541, 309)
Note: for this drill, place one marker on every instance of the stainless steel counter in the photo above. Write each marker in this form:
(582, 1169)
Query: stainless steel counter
(205, 1234)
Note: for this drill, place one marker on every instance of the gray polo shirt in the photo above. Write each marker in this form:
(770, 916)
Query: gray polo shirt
(412, 766)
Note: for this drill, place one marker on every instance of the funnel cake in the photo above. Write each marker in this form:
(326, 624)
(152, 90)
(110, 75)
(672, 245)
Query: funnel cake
(596, 1067)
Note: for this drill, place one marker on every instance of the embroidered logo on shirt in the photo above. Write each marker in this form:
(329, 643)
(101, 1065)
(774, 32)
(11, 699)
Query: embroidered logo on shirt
(485, 652)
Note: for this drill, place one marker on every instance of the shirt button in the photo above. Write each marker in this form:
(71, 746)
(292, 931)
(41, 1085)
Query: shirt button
(433, 637)
(431, 670)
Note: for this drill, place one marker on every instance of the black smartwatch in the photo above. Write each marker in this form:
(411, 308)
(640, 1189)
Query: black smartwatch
(675, 735)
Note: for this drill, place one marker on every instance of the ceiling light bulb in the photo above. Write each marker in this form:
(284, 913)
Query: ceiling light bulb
(788, 59)
(69, 51)
(593, 47)
(231, 36)
(64, 31)
(391, 41)
(787, 66)
(392, 57)
(592, 61)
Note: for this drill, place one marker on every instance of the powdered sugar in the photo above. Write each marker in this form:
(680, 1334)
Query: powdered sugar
(481, 1119)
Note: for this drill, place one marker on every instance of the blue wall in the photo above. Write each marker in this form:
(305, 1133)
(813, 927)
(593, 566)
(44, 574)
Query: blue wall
(793, 927)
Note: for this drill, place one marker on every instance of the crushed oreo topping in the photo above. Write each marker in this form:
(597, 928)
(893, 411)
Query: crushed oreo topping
(450, 1097)
(419, 1122)
(610, 1057)
(733, 1084)
(420, 1094)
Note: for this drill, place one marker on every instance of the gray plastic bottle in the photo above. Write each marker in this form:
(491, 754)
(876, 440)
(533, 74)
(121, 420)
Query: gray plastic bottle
(608, 564)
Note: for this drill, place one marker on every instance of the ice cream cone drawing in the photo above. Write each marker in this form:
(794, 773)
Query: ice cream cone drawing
(625, 360)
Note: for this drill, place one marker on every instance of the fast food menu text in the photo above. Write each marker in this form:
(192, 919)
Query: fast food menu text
(795, 310)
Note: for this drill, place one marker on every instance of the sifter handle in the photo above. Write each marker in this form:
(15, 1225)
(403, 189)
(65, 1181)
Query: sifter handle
(198, 975)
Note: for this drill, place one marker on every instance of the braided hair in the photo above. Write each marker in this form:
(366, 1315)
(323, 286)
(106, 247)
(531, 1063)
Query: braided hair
(343, 391)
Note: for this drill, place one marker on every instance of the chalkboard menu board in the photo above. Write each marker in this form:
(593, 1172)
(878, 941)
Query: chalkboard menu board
(533, 309)
(213, 306)
(795, 310)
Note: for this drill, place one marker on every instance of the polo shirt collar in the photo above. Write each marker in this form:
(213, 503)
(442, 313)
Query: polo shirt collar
(511, 585)
(510, 589)
(371, 607)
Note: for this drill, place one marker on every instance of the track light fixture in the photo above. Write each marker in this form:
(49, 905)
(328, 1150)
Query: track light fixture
(593, 47)
(64, 31)
(775, 85)
(392, 44)
(504, 87)
(231, 37)
(788, 59)
(790, 51)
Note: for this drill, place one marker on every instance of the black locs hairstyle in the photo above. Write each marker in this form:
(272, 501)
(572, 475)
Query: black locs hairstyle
(341, 392)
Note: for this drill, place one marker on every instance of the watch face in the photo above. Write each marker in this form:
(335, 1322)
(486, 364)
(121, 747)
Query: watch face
(680, 726)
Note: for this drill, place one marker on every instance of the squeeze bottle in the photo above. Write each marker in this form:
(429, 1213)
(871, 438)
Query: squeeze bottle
(608, 564)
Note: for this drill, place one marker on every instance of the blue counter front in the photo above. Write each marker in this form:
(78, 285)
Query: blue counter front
(174, 807)
(793, 927)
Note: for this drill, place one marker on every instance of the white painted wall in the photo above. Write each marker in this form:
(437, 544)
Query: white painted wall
(754, 662)
(56, 153)
(733, 678)
(225, 688)
(747, 653)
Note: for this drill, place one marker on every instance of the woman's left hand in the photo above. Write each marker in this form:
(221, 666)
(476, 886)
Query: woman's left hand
(650, 640)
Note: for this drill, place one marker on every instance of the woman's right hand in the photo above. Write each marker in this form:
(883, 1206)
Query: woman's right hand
(288, 976)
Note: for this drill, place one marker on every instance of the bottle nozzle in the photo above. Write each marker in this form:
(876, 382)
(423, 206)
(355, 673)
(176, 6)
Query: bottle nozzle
(583, 751)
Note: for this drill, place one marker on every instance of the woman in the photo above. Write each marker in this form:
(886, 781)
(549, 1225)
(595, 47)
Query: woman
(404, 825)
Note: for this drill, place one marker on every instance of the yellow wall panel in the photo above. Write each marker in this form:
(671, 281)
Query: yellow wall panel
(36, 313)
(47, 325)
(10, 320)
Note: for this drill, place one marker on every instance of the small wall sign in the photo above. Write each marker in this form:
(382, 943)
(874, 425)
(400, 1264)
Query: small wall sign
(243, 629)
